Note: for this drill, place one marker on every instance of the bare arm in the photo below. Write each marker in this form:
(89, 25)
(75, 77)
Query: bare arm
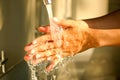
(106, 29)
(109, 21)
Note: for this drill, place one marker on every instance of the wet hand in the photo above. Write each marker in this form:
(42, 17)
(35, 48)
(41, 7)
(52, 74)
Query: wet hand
(74, 39)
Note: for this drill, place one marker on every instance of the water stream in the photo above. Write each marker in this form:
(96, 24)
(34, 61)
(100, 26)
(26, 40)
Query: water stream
(56, 31)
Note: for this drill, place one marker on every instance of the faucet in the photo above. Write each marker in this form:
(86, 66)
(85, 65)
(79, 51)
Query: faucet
(46, 2)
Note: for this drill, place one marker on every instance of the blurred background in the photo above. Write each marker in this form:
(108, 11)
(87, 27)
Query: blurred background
(19, 20)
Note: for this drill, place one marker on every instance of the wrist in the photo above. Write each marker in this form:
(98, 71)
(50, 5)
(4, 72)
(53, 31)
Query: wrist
(92, 40)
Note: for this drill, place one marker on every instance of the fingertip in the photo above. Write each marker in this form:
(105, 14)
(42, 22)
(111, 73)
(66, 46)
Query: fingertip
(27, 57)
(45, 29)
(41, 29)
(50, 67)
(27, 48)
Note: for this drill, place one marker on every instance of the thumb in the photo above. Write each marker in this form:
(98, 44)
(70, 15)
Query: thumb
(45, 29)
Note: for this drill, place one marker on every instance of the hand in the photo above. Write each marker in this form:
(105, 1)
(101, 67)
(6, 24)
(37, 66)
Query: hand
(75, 38)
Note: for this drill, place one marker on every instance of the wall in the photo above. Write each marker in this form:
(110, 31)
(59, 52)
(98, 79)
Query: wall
(17, 29)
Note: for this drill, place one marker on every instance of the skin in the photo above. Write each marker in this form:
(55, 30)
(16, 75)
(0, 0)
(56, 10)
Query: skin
(77, 36)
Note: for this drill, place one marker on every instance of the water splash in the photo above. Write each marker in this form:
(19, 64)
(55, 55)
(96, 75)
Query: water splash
(38, 72)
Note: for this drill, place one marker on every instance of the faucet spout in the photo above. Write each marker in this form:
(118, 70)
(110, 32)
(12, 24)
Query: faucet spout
(46, 2)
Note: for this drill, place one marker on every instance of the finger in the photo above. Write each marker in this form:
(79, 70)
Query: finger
(36, 61)
(47, 53)
(43, 48)
(42, 39)
(51, 57)
(38, 58)
(38, 41)
(30, 46)
(56, 61)
(35, 55)
(66, 53)
(44, 29)
(28, 57)
(59, 54)
(52, 65)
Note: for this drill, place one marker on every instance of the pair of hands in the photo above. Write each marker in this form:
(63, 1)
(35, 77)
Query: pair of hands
(75, 38)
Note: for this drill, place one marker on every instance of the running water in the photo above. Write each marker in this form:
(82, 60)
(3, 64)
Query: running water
(56, 31)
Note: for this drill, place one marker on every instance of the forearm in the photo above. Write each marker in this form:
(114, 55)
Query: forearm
(106, 29)
(106, 37)
(109, 21)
